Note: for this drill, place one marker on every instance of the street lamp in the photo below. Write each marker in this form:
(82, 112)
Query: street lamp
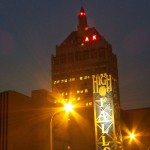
(68, 108)
(132, 136)
(129, 139)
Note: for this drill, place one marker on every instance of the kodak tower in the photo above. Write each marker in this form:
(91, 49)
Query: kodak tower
(85, 72)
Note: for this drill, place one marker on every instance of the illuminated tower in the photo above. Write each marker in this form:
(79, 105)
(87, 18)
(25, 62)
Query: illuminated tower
(81, 55)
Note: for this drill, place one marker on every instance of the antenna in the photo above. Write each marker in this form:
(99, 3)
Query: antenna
(81, 3)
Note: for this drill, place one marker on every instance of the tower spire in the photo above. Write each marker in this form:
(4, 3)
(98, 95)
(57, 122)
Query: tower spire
(82, 20)
(81, 3)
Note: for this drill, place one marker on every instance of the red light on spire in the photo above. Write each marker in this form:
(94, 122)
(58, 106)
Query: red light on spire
(82, 13)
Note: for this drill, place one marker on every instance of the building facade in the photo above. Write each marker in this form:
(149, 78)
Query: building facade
(83, 54)
(25, 121)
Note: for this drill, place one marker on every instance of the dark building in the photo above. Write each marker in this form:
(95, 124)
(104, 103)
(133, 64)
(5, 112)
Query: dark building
(84, 53)
(25, 121)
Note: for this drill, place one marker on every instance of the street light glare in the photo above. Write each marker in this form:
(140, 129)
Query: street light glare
(68, 107)
(132, 136)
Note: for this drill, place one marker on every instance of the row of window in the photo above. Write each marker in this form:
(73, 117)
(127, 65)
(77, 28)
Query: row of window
(78, 92)
(71, 79)
(88, 104)
(66, 100)
(74, 99)
(79, 56)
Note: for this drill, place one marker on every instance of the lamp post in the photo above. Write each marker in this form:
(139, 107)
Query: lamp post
(131, 136)
(129, 139)
(68, 108)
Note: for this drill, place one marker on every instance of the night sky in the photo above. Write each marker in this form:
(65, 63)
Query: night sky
(31, 29)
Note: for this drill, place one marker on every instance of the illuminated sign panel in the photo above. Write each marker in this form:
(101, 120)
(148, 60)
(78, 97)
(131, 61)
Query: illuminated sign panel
(87, 39)
(90, 38)
(104, 113)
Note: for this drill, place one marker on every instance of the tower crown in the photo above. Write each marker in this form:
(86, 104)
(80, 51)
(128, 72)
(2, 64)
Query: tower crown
(82, 20)
(82, 12)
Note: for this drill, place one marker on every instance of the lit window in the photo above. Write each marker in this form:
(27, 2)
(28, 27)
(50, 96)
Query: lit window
(82, 44)
(90, 103)
(65, 80)
(81, 91)
(66, 93)
(85, 77)
(55, 82)
(68, 147)
(62, 94)
(58, 81)
(81, 78)
(86, 90)
(86, 104)
(78, 91)
(62, 81)
(71, 79)
(78, 98)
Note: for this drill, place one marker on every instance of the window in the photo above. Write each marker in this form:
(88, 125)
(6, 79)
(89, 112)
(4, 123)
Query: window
(72, 79)
(94, 53)
(78, 56)
(78, 98)
(86, 90)
(58, 81)
(70, 57)
(81, 78)
(86, 54)
(81, 91)
(86, 104)
(86, 77)
(90, 103)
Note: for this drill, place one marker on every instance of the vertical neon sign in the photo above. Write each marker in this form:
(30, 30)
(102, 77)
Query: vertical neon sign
(104, 114)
